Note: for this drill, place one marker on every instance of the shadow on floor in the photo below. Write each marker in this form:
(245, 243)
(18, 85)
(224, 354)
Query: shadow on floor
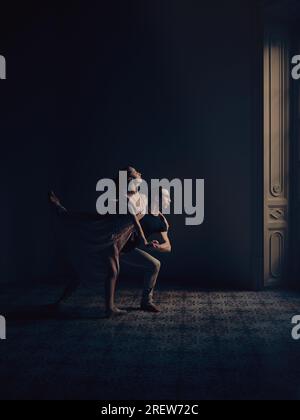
(48, 312)
(52, 312)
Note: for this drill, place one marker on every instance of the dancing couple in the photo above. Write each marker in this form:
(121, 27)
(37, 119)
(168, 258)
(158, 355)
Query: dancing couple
(119, 239)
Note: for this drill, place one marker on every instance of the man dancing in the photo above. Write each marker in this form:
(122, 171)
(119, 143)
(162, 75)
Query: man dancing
(123, 244)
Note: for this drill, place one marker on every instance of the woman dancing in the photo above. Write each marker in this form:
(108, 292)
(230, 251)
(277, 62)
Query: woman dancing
(104, 237)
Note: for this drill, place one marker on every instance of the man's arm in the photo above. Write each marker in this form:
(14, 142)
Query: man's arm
(165, 246)
(165, 220)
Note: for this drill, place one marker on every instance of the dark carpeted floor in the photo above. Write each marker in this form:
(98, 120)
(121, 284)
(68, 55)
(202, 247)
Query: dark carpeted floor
(205, 345)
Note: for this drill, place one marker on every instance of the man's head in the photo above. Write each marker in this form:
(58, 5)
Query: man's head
(165, 199)
(162, 200)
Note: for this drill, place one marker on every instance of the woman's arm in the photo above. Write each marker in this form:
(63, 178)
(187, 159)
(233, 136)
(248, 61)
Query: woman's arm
(165, 246)
(139, 230)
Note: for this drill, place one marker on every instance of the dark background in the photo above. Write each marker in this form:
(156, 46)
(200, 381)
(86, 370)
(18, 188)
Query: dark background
(167, 86)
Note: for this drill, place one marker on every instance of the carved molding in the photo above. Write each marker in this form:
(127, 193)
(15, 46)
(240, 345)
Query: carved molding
(277, 214)
(277, 117)
(277, 245)
(276, 150)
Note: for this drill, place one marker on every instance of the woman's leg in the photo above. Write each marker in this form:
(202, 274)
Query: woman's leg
(110, 287)
(70, 214)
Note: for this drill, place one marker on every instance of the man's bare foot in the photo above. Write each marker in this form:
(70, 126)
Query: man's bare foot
(150, 307)
(54, 199)
(115, 312)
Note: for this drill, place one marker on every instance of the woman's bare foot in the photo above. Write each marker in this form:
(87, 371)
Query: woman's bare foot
(115, 312)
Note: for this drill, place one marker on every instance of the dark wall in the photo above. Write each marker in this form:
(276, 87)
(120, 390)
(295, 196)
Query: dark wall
(166, 86)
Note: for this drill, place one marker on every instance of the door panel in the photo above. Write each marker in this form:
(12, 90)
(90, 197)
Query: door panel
(276, 153)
